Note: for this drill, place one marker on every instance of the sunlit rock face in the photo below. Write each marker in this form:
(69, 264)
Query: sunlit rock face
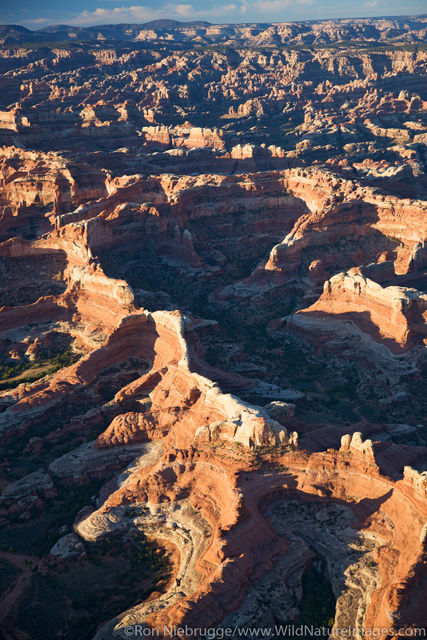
(212, 326)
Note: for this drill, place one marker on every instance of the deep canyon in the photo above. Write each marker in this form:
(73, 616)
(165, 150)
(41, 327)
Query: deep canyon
(213, 313)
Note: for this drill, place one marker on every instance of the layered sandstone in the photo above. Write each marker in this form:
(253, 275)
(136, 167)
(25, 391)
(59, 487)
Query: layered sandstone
(387, 313)
(206, 575)
(212, 308)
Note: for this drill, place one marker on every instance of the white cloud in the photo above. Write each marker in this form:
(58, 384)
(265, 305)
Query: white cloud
(372, 4)
(117, 14)
(272, 5)
(219, 11)
(135, 14)
(184, 10)
(272, 9)
(238, 11)
(37, 21)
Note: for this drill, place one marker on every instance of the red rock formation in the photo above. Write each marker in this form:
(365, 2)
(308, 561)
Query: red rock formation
(394, 315)
(276, 252)
(230, 506)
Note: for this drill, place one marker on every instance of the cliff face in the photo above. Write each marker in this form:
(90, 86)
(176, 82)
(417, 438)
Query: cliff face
(212, 322)
(364, 30)
(220, 533)
(393, 314)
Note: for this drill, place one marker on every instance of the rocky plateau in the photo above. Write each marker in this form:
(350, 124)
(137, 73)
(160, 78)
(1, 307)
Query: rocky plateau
(213, 305)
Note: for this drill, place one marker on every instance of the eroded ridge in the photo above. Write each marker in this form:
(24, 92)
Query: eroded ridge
(212, 328)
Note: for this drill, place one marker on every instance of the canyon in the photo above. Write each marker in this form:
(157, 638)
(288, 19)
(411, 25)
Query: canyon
(213, 313)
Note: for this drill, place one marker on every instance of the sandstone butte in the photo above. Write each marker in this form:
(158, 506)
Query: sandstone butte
(217, 317)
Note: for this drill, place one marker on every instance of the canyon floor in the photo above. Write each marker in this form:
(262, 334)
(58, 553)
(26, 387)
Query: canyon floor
(213, 305)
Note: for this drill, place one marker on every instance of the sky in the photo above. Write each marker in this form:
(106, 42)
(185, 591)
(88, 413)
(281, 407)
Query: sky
(35, 14)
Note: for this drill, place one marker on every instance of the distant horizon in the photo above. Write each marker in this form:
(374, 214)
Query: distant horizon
(96, 13)
(200, 21)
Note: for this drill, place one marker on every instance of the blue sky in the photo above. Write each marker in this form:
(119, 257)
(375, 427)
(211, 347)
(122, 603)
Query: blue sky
(35, 14)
